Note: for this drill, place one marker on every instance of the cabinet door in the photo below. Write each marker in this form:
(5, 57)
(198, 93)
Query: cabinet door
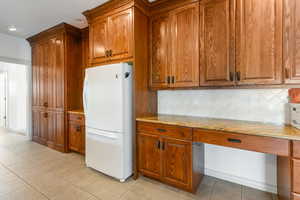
(36, 53)
(39, 74)
(185, 46)
(159, 41)
(120, 35)
(60, 135)
(291, 48)
(98, 41)
(259, 41)
(75, 136)
(55, 75)
(149, 155)
(217, 42)
(177, 167)
(39, 126)
(56, 134)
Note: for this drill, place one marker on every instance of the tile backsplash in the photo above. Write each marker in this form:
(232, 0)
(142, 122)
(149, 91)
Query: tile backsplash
(263, 105)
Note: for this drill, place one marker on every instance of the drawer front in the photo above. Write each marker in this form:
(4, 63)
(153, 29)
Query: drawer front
(78, 118)
(247, 142)
(296, 149)
(296, 176)
(165, 130)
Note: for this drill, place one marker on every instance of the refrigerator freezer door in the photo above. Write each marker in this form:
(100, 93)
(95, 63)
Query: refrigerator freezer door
(104, 152)
(104, 98)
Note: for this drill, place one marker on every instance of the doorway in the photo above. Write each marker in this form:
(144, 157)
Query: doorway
(3, 98)
(14, 95)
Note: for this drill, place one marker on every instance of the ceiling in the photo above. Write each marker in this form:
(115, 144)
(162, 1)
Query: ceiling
(33, 16)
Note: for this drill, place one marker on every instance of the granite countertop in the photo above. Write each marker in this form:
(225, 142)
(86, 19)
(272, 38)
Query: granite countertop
(78, 111)
(233, 126)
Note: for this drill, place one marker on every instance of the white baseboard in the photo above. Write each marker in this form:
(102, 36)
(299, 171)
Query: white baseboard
(242, 181)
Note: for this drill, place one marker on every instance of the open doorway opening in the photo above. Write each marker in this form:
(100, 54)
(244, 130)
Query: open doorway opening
(3, 97)
(14, 97)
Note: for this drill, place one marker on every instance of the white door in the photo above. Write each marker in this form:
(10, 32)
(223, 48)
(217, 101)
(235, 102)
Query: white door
(3, 86)
(103, 96)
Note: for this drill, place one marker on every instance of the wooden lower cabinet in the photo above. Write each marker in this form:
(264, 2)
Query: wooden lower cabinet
(296, 176)
(177, 162)
(168, 159)
(39, 128)
(76, 132)
(49, 129)
(149, 155)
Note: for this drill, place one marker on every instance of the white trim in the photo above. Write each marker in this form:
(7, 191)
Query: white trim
(242, 181)
(15, 61)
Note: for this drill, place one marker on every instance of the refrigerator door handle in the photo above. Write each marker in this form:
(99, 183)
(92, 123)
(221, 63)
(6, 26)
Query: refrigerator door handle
(110, 136)
(85, 95)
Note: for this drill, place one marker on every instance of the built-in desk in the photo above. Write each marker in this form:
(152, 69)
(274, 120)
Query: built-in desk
(169, 145)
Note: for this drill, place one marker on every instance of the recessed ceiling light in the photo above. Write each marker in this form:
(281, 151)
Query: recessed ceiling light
(12, 28)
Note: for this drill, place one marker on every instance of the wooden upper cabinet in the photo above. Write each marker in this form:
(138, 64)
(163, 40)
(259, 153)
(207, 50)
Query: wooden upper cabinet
(111, 37)
(185, 46)
(160, 37)
(217, 42)
(259, 42)
(98, 41)
(291, 35)
(120, 37)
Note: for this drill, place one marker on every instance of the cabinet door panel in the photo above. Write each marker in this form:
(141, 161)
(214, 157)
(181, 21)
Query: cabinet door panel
(75, 136)
(259, 41)
(59, 74)
(291, 48)
(98, 41)
(177, 162)
(120, 36)
(56, 134)
(39, 126)
(35, 74)
(185, 46)
(55, 81)
(159, 41)
(149, 155)
(216, 42)
(60, 131)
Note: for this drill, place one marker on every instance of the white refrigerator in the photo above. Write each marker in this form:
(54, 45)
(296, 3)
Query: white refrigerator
(108, 119)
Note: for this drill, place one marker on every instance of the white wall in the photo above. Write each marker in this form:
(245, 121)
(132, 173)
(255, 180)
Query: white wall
(265, 105)
(14, 48)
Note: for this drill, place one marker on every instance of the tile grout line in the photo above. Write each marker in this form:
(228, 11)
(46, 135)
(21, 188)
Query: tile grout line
(23, 180)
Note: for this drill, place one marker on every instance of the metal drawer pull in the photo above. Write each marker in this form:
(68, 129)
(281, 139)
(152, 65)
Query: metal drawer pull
(234, 140)
(161, 130)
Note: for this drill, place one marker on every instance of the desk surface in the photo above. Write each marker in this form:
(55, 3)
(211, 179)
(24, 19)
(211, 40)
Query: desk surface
(232, 126)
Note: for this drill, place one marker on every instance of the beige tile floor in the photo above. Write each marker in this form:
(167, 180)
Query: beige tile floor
(29, 171)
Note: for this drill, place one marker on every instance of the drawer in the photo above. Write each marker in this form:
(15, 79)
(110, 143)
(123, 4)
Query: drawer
(79, 118)
(247, 142)
(296, 149)
(296, 176)
(177, 132)
(295, 196)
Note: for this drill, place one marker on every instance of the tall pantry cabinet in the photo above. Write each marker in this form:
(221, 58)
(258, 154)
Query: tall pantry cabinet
(56, 69)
